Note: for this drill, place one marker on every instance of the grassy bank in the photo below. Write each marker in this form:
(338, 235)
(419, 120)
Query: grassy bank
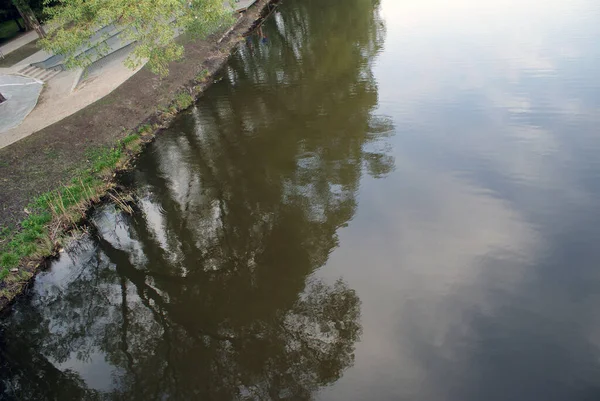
(50, 185)
(53, 215)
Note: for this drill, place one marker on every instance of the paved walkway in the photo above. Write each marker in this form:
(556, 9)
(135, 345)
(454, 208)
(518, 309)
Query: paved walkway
(67, 92)
(22, 94)
(18, 42)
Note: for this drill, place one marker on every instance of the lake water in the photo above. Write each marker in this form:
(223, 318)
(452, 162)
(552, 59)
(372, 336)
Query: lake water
(395, 200)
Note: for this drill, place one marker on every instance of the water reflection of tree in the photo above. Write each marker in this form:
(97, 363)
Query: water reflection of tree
(207, 294)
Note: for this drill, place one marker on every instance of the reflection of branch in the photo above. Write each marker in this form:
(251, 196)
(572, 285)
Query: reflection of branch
(167, 338)
(183, 232)
(217, 185)
(95, 289)
(124, 330)
(298, 338)
(125, 268)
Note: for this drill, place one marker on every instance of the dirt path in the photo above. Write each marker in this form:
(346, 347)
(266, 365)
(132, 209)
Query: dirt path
(41, 161)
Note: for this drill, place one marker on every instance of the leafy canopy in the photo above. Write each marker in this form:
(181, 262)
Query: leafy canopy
(152, 24)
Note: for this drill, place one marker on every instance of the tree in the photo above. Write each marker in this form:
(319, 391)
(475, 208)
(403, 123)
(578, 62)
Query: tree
(152, 24)
(29, 17)
(8, 11)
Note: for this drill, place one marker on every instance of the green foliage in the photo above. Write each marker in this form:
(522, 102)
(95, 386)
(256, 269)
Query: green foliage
(183, 100)
(129, 139)
(145, 128)
(102, 158)
(152, 24)
(202, 75)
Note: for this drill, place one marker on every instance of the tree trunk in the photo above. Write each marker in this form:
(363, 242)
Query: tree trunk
(29, 17)
(2, 98)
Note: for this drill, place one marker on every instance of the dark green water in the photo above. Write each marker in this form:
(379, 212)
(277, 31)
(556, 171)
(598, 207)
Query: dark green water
(393, 201)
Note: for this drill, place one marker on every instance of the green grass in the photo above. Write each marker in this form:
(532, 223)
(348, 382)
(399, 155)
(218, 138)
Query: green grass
(130, 139)
(24, 242)
(201, 77)
(63, 206)
(145, 129)
(183, 100)
(102, 158)
(51, 153)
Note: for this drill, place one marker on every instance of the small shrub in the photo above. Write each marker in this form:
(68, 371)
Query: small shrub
(183, 100)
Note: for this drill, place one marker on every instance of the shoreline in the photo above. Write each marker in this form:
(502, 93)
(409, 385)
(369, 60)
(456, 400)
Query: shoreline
(50, 187)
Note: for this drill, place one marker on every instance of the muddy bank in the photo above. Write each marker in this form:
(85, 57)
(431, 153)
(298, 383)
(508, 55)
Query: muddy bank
(143, 105)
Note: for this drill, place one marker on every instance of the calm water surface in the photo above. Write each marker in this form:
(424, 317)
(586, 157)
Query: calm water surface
(395, 200)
